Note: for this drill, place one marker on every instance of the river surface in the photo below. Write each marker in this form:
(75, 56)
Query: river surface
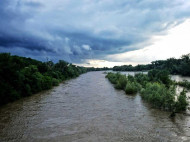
(89, 109)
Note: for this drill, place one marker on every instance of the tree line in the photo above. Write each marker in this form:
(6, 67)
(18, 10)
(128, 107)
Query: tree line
(21, 76)
(98, 69)
(174, 66)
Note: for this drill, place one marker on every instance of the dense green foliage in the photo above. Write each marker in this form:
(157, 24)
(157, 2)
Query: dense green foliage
(22, 76)
(174, 66)
(156, 87)
(131, 88)
(181, 103)
(127, 83)
(161, 76)
(113, 77)
(159, 95)
(121, 82)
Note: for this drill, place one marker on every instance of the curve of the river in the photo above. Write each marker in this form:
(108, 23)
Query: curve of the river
(88, 109)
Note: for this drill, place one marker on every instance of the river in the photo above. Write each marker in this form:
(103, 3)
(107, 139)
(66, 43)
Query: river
(88, 109)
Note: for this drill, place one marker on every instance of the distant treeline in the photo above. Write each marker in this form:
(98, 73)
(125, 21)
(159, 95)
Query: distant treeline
(20, 76)
(174, 66)
(98, 69)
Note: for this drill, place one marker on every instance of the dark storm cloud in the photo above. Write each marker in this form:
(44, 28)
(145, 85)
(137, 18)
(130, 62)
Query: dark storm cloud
(96, 43)
(87, 29)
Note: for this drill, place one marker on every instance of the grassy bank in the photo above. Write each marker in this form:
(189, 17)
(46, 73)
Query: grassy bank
(21, 77)
(156, 87)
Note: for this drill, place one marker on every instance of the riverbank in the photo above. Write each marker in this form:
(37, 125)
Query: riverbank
(74, 112)
(22, 77)
(155, 87)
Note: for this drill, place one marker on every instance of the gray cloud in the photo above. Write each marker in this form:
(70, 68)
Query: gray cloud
(59, 29)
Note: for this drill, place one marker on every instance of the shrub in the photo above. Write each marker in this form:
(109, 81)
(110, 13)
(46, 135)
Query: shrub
(55, 82)
(141, 79)
(159, 96)
(152, 75)
(181, 103)
(130, 78)
(113, 77)
(161, 76)
(121, 82)
(47, 82)
(131, 88)
(164, 77)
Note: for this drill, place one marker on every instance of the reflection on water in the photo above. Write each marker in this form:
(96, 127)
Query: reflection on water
(88, 108)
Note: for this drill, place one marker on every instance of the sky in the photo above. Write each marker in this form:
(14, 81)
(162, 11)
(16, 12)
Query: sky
(95, 33)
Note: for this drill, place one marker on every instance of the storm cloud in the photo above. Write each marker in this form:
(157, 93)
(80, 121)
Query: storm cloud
(87, 29)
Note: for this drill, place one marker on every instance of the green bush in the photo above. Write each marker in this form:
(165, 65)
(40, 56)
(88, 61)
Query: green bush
(181, 104)
(130, 78)
(55, 82)
(113, 77)
(161, 76)
(159, 96)
(121, 82)
(131, 88)
(142, 79)
(47, 82)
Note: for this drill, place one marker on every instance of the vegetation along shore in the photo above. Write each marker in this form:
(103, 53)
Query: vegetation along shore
(156, 87)
(21, 77)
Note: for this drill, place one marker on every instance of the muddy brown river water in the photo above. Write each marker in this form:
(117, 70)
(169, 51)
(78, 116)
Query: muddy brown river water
(89, 109)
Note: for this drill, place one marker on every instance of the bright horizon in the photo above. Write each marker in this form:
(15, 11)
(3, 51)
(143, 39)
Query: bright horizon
(172, 45)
